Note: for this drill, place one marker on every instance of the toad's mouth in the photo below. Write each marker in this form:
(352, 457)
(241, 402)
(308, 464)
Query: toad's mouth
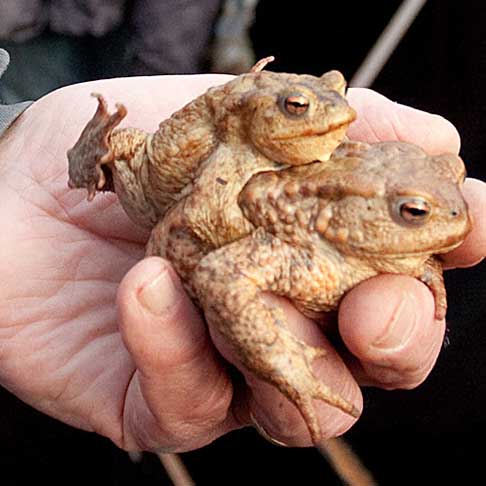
(410, 254)
(333, 129)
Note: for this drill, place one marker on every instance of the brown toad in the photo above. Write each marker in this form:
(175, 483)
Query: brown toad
(207, 151)
(320, 229)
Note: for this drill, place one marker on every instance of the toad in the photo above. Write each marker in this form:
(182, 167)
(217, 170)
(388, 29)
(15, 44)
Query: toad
(320, 229)
(207, 151)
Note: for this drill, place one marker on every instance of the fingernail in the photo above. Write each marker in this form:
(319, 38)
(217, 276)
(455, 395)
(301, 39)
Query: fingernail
(262, 431)
(400, 326)
(159, 295)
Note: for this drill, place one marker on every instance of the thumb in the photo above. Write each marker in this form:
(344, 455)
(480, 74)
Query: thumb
(179, 395)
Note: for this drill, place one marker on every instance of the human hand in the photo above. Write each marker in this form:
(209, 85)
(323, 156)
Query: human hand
(150, 376)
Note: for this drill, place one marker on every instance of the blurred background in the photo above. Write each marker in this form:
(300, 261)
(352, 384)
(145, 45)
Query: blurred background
(431, 435)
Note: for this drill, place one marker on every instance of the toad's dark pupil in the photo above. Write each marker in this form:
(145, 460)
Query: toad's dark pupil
(412, 212)
(296, 105)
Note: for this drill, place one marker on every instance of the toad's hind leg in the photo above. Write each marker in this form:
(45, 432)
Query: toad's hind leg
(230, 283)
(92, 150)
(287, 364)
(99, 146)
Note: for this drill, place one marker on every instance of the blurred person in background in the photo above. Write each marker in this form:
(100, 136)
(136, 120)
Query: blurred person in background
(60, 42)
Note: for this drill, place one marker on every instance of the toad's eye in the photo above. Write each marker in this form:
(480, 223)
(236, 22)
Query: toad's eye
(412, 211)
(295, 104)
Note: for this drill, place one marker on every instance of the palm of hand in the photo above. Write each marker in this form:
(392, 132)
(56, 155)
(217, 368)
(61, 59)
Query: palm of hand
(60, 348)
(62, 261)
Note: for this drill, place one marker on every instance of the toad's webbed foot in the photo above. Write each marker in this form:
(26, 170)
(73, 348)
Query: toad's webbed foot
(92, 150)
(294, 377)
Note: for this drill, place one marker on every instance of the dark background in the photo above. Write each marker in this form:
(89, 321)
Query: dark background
(430, 435)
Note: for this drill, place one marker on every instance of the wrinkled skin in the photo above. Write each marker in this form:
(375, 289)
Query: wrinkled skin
(84, 341)
(320, 230)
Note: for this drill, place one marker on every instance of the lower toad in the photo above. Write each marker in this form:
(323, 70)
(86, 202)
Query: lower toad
(321, 229)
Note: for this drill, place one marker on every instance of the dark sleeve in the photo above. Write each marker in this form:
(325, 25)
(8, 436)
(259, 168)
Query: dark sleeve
(8, 113)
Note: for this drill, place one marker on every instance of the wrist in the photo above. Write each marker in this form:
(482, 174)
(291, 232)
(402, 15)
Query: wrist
(9, 113)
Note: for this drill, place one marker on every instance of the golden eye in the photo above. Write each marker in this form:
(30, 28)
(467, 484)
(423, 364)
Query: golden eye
(295, 104)
(411, 210)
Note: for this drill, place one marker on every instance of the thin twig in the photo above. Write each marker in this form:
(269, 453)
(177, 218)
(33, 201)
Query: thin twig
(346, 463)
(176, 470)
(386, 43)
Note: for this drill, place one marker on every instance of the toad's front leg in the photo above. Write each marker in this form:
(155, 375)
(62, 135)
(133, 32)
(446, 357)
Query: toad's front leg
(432, 276)
(230, 283)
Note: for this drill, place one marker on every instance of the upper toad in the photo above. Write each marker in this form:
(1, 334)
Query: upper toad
(209, 149)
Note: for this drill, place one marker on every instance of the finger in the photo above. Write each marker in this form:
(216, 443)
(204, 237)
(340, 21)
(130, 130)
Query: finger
(473, 250)
(179, 396)
(388, 324)
(276, 415)
(380, 119)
